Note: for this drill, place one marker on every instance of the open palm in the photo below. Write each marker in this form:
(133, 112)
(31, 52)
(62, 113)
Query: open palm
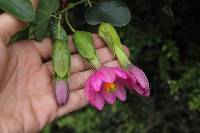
(27, 100)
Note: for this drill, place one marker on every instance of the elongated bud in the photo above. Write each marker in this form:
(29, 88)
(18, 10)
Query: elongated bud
(61, 59)
(110, 36)
(85, 45)
(61, 91)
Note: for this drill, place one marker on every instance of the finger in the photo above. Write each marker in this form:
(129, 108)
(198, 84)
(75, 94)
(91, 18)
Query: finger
(77, 80)
(76, 101)
(9, 26)
(44, 48)
(79, 64)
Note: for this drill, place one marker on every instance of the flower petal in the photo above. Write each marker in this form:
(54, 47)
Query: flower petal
(138, 81)
(109, 97)
(119, 72)
(121, 93)
(99, 102)
(96, 82)
(61, 91)
(88, 86)
(107, 75)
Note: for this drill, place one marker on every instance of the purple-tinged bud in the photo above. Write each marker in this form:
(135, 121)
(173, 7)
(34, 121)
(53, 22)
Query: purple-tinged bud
(138, 81)
(61, 91)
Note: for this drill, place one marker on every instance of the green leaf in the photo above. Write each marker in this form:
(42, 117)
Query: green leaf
(61, 59)
(113, 12)
(44, 11)
(22, 9)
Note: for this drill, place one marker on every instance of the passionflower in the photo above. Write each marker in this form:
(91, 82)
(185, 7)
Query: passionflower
(105, 86)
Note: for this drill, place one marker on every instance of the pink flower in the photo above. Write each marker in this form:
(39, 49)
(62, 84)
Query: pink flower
(61, 91)
(105, 86)
(138, 81)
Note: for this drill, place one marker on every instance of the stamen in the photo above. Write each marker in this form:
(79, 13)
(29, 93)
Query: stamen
(110, 87)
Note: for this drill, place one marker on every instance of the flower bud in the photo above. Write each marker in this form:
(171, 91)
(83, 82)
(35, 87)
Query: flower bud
(110, 36)
(61, 91)
(85, 46)
(61, 60)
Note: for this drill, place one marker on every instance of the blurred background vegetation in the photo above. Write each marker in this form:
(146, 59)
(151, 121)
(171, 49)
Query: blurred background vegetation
(164, 40)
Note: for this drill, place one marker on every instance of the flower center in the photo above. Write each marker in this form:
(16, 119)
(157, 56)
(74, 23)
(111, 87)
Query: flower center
(110, 87)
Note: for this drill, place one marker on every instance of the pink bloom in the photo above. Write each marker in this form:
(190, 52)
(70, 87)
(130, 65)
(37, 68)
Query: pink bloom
(105, 85)
(138, 81)
(61, 91)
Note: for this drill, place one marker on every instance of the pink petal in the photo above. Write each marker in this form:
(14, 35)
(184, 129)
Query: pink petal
(96, 82)
(138, 81)
(61, 91)
(87, 86)
(109, 97)
(119, 72)
(99, 102)
(121, 93)
(107, 75)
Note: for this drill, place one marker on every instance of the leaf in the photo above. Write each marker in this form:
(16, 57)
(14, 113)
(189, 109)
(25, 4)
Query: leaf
(22, 9)
(44, 11)
(113, 12)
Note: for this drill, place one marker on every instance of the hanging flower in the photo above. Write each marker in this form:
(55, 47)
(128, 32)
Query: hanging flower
(105, 86)
(137, 79)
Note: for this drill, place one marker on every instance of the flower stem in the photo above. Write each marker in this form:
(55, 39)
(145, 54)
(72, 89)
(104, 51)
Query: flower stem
(72, 5)
(70, 26)
(89, 3)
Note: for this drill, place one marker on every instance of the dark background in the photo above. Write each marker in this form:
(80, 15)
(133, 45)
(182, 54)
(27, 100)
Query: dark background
(164, 40)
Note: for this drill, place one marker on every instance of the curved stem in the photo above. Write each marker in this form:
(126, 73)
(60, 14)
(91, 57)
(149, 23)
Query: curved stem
(72, 5)
(89, 3)
(70, 26)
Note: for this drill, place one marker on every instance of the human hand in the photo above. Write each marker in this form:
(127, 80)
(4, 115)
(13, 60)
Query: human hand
(27, 100)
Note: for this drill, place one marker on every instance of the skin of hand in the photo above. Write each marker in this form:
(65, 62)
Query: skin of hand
(27, 100)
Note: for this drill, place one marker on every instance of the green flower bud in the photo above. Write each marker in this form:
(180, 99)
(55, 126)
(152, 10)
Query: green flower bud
(110, 36)
(61, 59)
(56, 30)
(85, 45)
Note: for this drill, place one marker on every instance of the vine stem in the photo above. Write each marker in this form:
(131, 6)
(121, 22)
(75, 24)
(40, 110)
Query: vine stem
(72, 5)
(70, 26)
(89, 3)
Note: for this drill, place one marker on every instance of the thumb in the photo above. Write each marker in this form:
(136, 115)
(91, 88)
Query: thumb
(9, 25)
